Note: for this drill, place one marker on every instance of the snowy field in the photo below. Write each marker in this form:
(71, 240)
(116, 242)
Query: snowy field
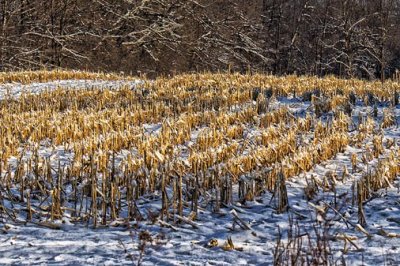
(321, 220)
(15, 90)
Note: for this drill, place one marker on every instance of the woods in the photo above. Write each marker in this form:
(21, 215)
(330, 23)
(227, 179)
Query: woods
(348, 38)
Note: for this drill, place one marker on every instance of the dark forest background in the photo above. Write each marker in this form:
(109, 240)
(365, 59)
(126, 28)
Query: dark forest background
(348, 38)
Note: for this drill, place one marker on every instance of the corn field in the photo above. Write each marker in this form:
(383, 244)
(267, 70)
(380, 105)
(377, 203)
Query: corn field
(203, 145)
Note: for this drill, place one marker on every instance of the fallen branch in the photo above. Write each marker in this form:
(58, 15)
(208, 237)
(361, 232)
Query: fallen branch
(356, 226)
(168, 225)
(185, 220)
(243, 223)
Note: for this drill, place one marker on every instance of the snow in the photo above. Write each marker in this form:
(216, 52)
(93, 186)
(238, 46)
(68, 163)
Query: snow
(16, 89)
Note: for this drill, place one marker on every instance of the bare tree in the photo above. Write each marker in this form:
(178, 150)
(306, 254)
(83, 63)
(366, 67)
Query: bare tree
(349, 38)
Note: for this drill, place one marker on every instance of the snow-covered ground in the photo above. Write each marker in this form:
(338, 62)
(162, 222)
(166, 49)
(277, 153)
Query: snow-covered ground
(16, 89)
(122, 242)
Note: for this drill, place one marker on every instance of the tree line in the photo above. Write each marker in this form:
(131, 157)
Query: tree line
(348, 38)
